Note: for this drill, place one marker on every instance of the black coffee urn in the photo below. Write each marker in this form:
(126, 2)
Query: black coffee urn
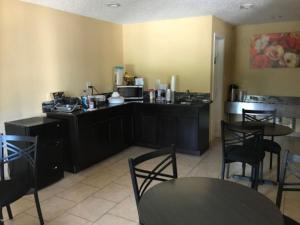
(233, 92)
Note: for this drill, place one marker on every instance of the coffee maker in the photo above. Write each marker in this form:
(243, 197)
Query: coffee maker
(233, 92)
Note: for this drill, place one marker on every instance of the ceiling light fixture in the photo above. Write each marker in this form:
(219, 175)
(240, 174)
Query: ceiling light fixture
(247, 6)
(113, 5)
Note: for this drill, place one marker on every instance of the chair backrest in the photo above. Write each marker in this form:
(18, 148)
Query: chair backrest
(290, 165)
(267, 116)
(247, 136)
(146, 177)
(18, 159)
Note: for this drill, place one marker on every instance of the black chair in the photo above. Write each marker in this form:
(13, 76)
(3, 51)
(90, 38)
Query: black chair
(265, 116)
(18, 171)
(242, 144)
(290, 165)
(157, 173)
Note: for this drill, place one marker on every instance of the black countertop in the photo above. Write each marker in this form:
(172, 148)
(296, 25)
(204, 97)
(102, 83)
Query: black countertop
(283, 100)
(32, 122)
(108, 106)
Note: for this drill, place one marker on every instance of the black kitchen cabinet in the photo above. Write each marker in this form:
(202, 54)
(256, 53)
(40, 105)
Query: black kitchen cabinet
(160, 125)
(146, 125)
(167, 129)
(116, 134)
(96, 135)
(128, 128)
(187, 133)
(50, 145)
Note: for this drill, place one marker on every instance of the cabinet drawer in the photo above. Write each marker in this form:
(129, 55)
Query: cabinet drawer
(47, 131)
(49, 162)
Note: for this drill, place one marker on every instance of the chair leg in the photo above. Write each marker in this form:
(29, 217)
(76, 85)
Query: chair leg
(223, 171)
(271, 160)
(38, 207)
(254, 183)
(256, 177)
(9, 212)
(279, 196)
(252, 174)
(261, 176)
(227, 170)
(244, 169)
(278, 166)
(1, 217)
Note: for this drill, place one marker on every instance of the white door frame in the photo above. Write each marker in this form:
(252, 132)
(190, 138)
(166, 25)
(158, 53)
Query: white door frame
(217, 85)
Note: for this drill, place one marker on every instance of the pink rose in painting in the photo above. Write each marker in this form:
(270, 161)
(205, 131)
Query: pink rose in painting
(275, 53)
(291, 41)
(275, 37)
(261, 61)
(297, 47)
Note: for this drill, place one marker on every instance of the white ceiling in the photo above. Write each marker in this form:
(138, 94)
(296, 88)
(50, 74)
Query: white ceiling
(133, 11)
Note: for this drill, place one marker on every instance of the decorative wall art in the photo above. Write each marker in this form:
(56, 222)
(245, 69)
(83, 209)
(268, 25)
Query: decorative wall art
(276, 50)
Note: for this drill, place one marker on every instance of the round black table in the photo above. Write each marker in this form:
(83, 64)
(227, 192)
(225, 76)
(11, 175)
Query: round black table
(206, 201)
(269, 129)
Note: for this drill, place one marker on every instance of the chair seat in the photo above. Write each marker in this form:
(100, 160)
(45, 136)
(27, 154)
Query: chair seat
(12, 190)
(289, 221)
(237, 153)
(271, 146)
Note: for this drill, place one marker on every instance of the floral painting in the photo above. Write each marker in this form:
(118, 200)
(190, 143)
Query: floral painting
(277, 50)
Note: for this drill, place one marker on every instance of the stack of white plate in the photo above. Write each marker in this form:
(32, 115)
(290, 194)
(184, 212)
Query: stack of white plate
(116, 98)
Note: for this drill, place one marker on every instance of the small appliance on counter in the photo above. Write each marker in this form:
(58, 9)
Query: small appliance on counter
(132, 92)
(100, 100)
(61, 103)
(119, 75)
(116, 98)
(242, 96)
(233, 92)
(161, 93)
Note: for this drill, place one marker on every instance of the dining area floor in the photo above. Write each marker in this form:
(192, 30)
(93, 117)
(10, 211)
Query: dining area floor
(103, 195)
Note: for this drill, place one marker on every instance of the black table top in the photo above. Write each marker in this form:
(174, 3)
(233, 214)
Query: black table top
(269, 128)
(206, 201)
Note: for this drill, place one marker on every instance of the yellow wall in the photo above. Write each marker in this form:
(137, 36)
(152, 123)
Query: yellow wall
(157, 50)
(281, 82)
(44, 50)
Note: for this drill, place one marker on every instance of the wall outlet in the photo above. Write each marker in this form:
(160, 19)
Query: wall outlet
(88, 84)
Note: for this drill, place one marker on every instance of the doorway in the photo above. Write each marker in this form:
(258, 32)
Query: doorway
(217, 86)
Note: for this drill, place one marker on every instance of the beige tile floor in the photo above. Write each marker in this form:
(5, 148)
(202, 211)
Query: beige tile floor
(102, 194)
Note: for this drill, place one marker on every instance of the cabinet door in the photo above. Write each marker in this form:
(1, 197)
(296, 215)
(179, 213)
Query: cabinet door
(49, 153)
(128, 130)
(187, 133)
(102, 143)
(116, 134)
(147, 133)
(49, 162)
(146, 125)
(94, 142)
(167, 130)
